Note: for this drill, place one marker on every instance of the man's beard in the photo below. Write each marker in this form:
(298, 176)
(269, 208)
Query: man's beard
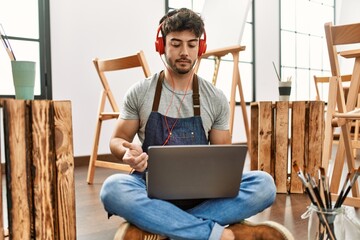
(182, 70)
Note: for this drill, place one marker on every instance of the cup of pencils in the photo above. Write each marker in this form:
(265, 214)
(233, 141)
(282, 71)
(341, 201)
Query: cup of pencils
(284, 86)
(325, 223)
(326, 220)
(284, 90)
(24, 79)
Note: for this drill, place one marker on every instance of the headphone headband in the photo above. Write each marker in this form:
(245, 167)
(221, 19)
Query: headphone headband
(160, 48)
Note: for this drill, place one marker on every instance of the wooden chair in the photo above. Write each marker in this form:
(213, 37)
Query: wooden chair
(236, 83)
(102, 66)
(339, 111)
(321, 80)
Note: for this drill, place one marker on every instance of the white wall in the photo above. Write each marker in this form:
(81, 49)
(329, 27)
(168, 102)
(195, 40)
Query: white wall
(84, 29)
(348, 11)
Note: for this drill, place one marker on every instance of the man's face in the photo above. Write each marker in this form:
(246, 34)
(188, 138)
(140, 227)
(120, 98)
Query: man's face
(181, 51)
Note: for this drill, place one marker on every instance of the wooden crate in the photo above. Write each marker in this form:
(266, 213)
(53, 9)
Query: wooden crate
(39, 169)
(283, 133)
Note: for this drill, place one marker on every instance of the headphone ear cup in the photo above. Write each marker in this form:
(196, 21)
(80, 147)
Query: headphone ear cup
(202, 47)
(159, 45)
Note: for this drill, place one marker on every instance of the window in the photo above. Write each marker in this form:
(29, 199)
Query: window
(246, 64)
(27, 25)
(303, 44)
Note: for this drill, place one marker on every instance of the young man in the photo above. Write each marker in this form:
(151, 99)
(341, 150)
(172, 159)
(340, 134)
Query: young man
(161, 111)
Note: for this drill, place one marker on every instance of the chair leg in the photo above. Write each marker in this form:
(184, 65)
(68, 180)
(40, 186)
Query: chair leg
(356, 132)
(356, 136)
(329, 130)
(349, 157)
(93, 157)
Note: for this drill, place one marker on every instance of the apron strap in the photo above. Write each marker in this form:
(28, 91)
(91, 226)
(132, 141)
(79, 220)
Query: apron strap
(157, 96)
(196, 95)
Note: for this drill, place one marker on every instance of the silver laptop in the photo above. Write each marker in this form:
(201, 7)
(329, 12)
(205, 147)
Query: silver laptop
(195, 171)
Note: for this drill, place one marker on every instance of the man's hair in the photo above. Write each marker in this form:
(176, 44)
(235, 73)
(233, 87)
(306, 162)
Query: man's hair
(180, 20)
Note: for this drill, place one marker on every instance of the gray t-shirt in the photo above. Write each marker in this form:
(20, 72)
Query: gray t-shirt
(214, 106)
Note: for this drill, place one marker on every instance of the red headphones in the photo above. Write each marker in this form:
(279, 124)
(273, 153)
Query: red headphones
(160, 48)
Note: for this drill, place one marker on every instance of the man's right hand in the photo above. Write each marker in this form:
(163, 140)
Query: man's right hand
(135, 157)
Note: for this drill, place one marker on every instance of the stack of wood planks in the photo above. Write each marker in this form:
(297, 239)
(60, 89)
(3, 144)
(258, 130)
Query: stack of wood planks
(39, 170)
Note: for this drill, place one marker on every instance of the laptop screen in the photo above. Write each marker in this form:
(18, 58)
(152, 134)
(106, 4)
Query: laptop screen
(195, 171)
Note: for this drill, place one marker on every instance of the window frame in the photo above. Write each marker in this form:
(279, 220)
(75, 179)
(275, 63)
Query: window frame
(296, 69)
(44, 51)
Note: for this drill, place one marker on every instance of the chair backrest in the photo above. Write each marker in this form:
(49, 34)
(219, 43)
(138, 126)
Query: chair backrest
(117, 64)
(340, 35)
(318, 80)
(348, 36)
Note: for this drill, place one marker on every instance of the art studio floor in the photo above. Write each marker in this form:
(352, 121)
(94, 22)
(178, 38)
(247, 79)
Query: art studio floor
(93, 224)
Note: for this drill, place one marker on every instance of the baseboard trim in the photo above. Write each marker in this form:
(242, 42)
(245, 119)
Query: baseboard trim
(84, 160)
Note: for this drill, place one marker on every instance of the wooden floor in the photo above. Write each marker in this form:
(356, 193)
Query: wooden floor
(92, 222)
(91, 218)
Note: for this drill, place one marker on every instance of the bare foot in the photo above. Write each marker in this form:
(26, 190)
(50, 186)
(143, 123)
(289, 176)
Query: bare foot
(227, 235)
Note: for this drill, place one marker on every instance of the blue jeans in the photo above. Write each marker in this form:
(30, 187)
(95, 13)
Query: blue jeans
(125, 195)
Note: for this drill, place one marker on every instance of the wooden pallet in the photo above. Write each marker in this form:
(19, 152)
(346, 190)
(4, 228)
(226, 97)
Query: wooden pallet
(283, 133)
(39, 169)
